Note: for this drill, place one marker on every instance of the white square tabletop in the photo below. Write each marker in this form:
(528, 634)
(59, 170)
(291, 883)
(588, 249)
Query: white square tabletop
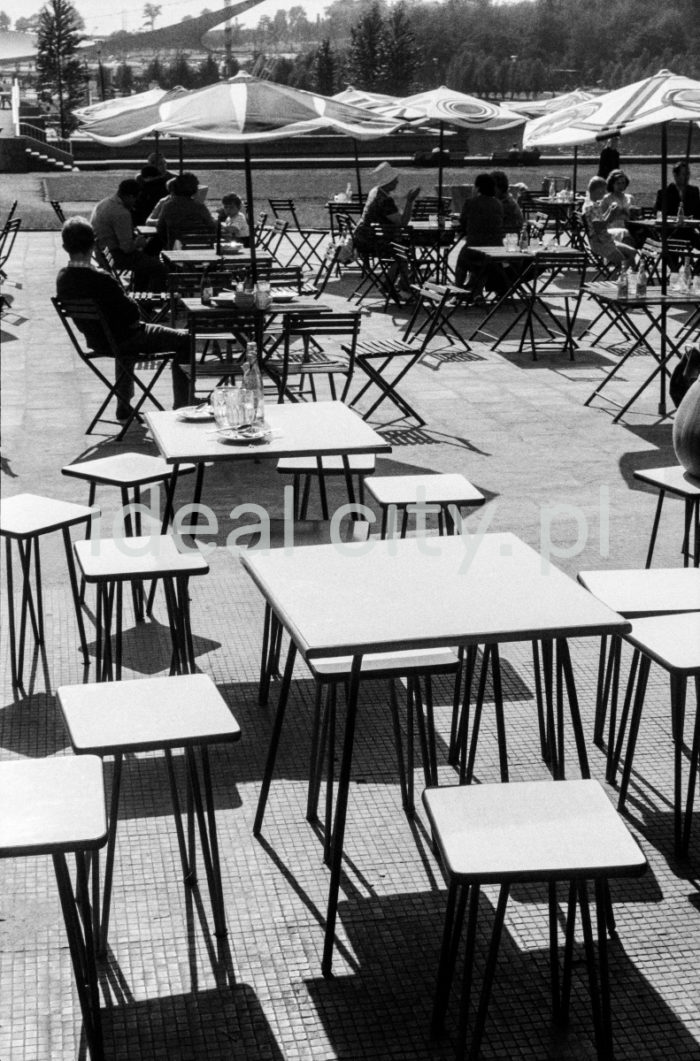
(123, 469)
(675, 479)
(26, 515)
(531, 830)
(140, 556)
(146, 714)
(673, 641)
(373, 596)
(646, 591)
(297, 429)
(51, 805)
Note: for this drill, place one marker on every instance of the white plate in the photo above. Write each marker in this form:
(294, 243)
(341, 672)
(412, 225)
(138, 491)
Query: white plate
(195, 413)
(241, 436)
(284, 298)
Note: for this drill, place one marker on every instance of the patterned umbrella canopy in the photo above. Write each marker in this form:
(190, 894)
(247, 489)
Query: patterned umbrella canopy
(447, 107)
(662, 98)
(109, 107)
(246, 109)
(444, 105)
(534, 108)
(126, 120)
(379, 103)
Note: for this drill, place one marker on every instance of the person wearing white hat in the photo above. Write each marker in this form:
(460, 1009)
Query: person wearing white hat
(381, 210)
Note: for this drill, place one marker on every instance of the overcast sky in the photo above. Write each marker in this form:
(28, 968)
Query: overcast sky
(102, 18)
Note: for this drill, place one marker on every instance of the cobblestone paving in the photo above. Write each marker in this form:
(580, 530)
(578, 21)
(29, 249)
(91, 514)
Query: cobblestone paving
(169, 989)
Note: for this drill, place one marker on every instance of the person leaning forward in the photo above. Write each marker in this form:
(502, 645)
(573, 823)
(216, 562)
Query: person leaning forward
(113, 224)
(135, 339)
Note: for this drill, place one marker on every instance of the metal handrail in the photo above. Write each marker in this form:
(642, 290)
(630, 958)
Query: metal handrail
(35, 132)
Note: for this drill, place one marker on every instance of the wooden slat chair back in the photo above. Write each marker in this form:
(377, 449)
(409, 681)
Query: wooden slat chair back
(313, 344)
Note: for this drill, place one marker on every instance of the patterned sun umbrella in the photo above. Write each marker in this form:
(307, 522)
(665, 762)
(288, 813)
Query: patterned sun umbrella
(446, 107)
(665, 97)
(107, 108)
(243, 110)
(379, 103)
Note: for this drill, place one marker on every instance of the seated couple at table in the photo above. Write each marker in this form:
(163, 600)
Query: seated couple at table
(603, 211)
(135, 339)
(482, 223)
(181, 212)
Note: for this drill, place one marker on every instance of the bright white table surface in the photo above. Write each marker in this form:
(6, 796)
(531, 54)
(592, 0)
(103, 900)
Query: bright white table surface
(302, 429)
(531, 830)
(51, 805)
(344, 599)
(646, 591)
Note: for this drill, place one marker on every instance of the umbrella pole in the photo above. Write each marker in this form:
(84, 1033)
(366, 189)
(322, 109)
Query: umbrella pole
(574, 176)
(181, 155)
(357, 171)
(689, 143)
(156, 137)
(664, 264)
(440, 170)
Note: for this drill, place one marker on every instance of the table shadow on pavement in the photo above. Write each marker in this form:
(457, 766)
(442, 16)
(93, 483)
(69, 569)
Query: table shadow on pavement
(384, 1010)
(218, 1025)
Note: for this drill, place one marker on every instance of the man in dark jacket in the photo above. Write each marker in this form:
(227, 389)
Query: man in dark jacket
(135, 339)
(680, 192)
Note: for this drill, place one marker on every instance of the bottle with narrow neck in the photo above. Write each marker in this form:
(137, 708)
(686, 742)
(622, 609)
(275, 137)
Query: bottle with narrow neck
(623, 283)
(253, 392)
(687, 275)
(642, 279)
(207, 287)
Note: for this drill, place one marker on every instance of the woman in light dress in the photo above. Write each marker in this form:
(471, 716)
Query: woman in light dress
(606, 240)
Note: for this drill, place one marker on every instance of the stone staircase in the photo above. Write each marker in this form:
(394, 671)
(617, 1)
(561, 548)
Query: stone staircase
(43, 153)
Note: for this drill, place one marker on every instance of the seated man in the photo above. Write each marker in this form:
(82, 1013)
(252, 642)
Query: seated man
(135, 339)
(113, 224)
(680, 192)
(182, 213)
(512, 214)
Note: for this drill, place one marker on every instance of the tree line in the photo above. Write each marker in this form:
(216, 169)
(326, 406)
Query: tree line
(473, 46)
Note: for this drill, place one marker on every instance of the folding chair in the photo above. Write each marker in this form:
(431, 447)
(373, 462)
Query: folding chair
(235, 329)
(269, 238)
(7, 242)
(306, 250)
(285, 276)
(305, 330)
(385, 352)
(194, 239)
(58, 210)
(73, 312)
(429, 205)
(105, 259)
(376, 268)
(336, 211)
(438, 303)
(10, 213)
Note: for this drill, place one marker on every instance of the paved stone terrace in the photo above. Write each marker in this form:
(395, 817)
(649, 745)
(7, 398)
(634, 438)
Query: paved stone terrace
(518, 429)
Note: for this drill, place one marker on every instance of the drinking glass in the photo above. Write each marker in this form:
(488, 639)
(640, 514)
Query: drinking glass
(219, 405)
(234, 408)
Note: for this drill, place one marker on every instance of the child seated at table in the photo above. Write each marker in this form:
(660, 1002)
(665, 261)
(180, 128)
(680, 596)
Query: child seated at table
(596, 215)
(233, 221)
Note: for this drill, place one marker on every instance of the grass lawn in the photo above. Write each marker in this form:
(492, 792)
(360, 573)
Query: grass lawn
(310, 188)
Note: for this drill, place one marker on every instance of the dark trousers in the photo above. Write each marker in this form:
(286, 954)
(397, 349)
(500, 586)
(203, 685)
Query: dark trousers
(147, 339)
(149, 272)
(483, 273)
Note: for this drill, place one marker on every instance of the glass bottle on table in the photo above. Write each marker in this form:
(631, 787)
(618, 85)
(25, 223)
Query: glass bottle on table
(207, 287)
(687, 275)
(252, 390)
(524, 241)
(623, 283)
(642, 279)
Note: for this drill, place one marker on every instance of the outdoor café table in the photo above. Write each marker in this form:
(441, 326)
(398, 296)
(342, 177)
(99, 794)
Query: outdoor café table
(537, 268)
(196, 256)
(301, 429)
(284, 302)
(416, 593)
(644, 317)
(430, 242)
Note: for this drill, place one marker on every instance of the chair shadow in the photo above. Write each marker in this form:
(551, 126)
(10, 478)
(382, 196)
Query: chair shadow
(391, 1009)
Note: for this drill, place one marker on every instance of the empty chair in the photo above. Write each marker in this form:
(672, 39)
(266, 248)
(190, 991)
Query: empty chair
(313, 344)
